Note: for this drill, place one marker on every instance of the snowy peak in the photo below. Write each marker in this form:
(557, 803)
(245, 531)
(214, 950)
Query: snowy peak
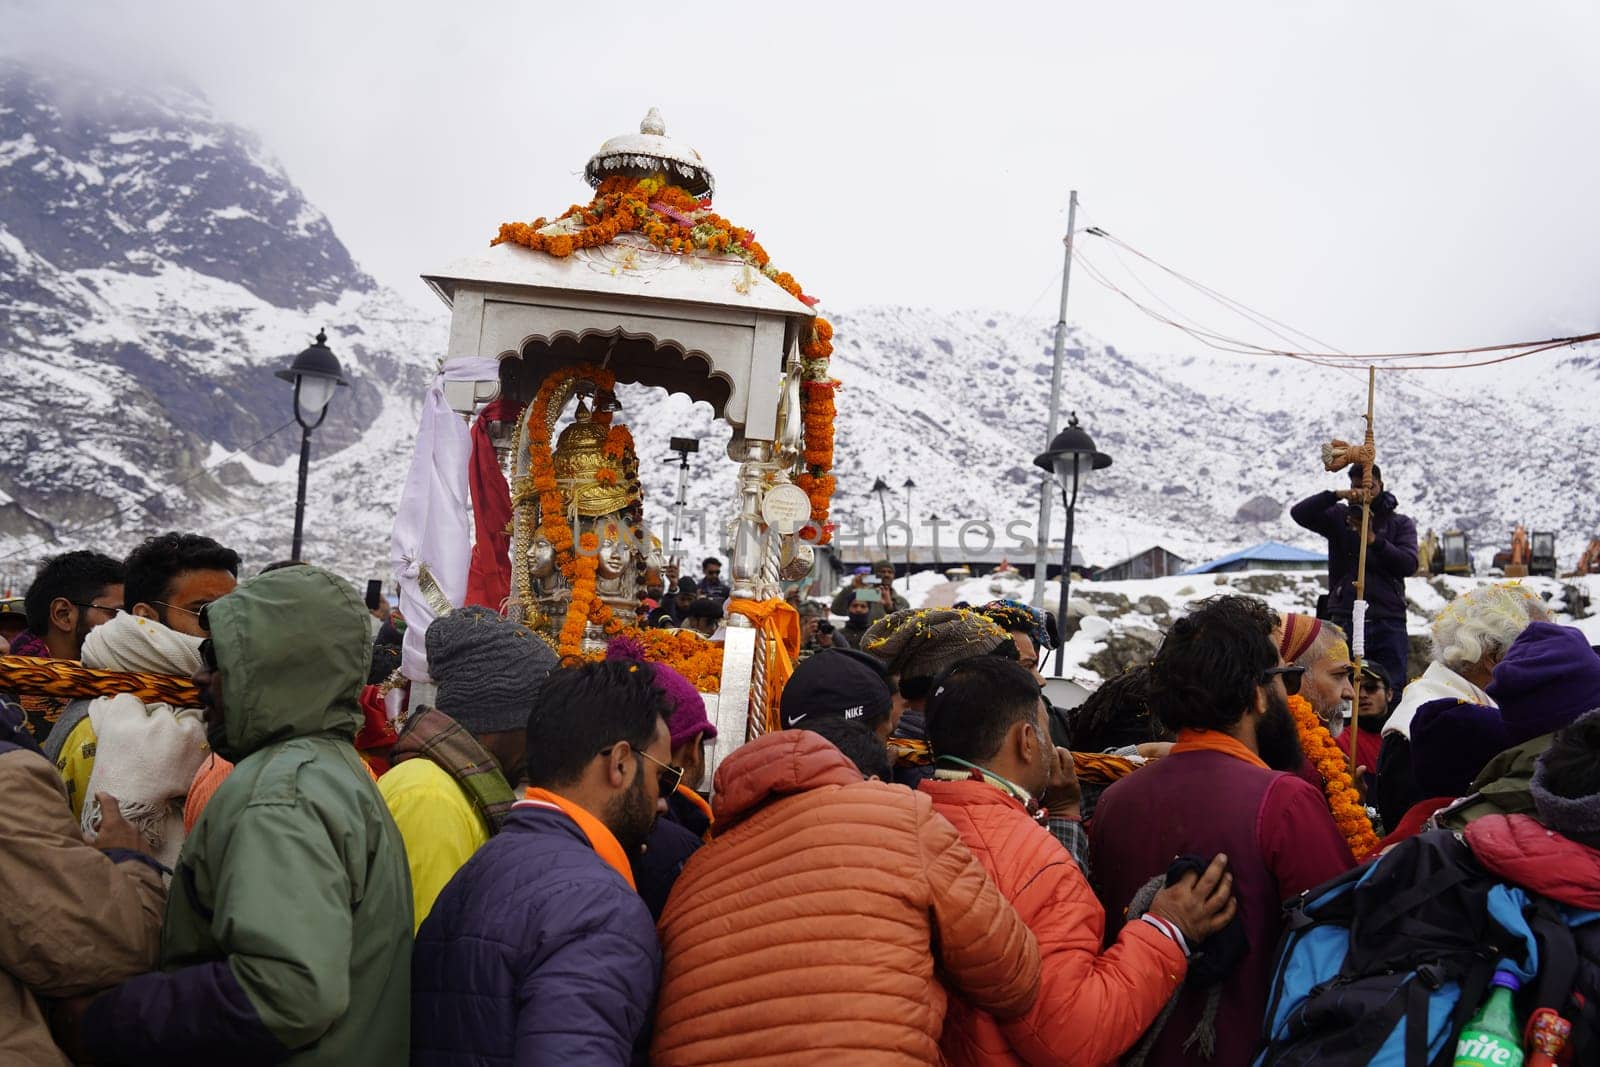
(122, 180)
(156, 269)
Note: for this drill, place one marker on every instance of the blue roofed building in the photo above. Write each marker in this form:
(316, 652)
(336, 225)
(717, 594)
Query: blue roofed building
(1267, 556)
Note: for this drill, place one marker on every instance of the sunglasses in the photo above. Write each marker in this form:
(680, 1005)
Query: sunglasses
(668, 776)
(1291, 678)
(107, 608)
(198, 613)
(1372, 685)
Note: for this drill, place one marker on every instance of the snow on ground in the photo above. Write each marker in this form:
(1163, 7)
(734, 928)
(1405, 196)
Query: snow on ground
(1119, 621)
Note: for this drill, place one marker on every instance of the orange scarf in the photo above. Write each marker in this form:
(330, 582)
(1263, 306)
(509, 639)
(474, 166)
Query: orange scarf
(601, 839)
(700, 802)
(1216, 741)
(779, 624)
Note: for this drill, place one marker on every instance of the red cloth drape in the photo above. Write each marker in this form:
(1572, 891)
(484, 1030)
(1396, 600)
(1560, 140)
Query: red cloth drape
(489, 574)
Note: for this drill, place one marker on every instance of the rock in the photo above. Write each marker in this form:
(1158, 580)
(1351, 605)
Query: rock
(1265, 584)
(1125, 649)
(1259, 509)
(1441, 586)
(1420, 655)
(1101, 599)
(1151, 605)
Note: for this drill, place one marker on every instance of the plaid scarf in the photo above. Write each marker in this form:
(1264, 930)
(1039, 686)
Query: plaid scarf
(431, 734)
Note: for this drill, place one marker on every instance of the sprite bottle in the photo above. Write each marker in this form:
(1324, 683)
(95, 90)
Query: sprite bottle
(1492, 1037)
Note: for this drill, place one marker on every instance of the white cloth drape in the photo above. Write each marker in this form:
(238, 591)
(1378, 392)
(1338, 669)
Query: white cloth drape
(434, 522)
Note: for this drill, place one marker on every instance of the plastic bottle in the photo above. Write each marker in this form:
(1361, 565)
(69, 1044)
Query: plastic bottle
(1492, 1037)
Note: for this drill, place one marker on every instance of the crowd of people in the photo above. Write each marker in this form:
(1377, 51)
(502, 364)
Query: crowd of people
(248, 854)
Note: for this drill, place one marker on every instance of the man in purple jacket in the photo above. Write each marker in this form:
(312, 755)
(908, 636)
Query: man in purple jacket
(539, 950)
(1219, 682)
(1391, 559)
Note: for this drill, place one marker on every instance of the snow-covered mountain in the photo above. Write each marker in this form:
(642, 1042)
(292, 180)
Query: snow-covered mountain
(156, 268)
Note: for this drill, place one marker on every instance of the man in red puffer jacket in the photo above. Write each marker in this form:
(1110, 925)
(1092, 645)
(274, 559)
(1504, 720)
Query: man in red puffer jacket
(994, 760)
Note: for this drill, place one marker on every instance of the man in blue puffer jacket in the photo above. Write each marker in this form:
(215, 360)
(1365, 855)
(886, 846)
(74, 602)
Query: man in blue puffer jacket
(539, 950)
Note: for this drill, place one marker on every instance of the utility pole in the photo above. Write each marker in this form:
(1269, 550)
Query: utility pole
(1041, 557)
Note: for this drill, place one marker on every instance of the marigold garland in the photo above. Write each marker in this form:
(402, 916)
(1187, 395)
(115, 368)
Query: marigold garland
(676, 221)
(684, 651)
(1349, 812)
(579, 569)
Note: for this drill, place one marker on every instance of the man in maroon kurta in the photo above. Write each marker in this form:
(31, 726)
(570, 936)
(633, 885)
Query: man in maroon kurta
(1218, 680)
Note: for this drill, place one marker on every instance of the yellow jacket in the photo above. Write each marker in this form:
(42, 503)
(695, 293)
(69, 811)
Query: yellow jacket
(76, 763)
(437, 821)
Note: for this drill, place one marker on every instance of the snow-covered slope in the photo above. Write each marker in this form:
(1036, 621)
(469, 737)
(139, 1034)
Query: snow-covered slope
(156, 268)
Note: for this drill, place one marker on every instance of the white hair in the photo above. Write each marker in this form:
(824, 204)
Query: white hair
(1484, 621)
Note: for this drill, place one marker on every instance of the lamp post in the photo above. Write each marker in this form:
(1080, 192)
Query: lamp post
(1071, 456)
(316, 374)
(880, 489)
(910, 532)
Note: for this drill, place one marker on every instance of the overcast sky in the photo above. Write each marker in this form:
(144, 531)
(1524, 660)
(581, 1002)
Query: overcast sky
(1383, 175)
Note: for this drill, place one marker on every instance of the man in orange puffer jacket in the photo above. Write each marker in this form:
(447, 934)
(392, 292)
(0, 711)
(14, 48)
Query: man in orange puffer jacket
(994, 760)
(811, 927)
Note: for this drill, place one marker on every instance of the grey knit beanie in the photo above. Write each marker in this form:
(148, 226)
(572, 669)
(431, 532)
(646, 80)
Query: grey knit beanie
(488, 669)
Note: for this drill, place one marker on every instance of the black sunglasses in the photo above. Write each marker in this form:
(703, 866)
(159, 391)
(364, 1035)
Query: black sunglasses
(668, 776)
(1291, 678)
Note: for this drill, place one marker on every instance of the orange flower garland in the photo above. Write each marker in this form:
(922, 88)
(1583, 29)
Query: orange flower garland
(676, 221)
(1349, 813)
(579, 569)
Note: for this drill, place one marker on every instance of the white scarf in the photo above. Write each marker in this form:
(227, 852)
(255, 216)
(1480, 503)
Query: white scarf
(433, 524)
(146, 755)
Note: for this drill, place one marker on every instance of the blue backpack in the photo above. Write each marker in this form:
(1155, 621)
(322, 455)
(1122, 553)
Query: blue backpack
(1386, 963)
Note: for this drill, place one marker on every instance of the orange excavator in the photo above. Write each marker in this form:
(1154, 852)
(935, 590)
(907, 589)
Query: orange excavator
(1514, 564)
(1589, 562)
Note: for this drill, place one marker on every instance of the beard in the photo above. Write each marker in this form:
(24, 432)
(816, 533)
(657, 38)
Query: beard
(1277, 739)
(631, 817)
(1341, 716)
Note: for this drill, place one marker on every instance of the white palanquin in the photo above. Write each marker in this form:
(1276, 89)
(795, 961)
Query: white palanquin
(712, 327)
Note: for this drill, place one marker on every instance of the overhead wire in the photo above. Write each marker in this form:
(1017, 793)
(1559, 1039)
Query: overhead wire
(1261, 319)
(1501, 353)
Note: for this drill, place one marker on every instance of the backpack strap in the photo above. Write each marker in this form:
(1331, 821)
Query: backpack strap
(1473, 986)
(1558, 954)
(1406, 900)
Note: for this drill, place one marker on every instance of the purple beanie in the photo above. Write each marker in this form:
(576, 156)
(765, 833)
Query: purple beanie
(688, 719)
(1548, 678)
(1451, 742)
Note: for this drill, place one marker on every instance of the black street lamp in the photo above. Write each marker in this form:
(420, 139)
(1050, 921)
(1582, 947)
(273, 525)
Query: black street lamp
(880, 488)
(1071, 456)
(316, 374)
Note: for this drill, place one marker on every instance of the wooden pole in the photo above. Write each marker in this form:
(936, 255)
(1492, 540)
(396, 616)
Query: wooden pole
(1361, 569)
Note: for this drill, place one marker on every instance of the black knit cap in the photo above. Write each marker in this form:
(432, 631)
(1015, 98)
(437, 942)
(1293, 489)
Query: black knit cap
(838, 683)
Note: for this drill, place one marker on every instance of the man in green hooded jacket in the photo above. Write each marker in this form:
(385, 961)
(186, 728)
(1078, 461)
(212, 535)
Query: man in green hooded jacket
(288, 925)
